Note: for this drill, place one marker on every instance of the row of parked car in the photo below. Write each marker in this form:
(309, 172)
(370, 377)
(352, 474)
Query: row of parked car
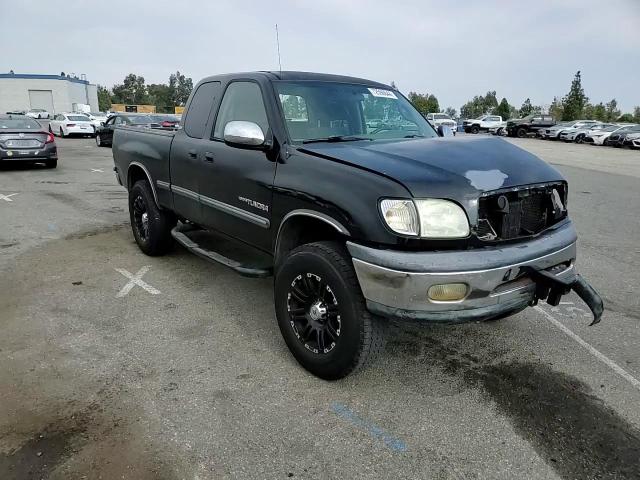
(592, 132)
(100, 125)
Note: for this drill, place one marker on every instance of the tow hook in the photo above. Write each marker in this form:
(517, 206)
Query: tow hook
(552, 288)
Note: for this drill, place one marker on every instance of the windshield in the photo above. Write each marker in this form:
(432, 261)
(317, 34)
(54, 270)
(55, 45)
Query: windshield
(322, 110)
(19, 123)
(78, 118)
(441, 116)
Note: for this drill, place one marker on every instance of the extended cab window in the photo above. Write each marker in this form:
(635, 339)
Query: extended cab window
(200, 108)
(242, 101)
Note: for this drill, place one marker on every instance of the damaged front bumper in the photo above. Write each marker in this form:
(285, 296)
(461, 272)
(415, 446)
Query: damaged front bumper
(499, 280)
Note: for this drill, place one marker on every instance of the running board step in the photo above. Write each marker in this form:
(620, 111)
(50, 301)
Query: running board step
(219, 248)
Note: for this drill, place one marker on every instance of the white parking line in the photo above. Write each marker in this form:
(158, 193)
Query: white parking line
(136, 280)
(600, 356)
(97, 170)
(7, 198)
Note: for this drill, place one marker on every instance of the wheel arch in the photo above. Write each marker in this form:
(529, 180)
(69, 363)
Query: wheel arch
(303, 226)
(137, 171)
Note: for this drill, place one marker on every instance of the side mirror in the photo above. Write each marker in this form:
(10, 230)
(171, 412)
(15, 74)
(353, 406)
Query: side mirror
(444, 131)
(243, 134)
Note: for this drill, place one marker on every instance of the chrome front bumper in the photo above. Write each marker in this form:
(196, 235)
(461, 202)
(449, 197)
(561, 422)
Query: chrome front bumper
(395, 283)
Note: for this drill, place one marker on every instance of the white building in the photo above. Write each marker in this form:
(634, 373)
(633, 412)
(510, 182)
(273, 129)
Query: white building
(54, 93)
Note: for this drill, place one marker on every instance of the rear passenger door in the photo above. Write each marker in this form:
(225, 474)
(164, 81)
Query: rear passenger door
(236, 183)
(188, 161)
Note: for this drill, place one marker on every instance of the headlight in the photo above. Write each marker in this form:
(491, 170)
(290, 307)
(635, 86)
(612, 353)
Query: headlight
(441, 219)
(400, 216)
(428, 218)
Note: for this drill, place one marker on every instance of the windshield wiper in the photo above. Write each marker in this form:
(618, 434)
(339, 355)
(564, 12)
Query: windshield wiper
(336, 139)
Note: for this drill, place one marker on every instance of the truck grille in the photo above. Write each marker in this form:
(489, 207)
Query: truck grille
(509, 214)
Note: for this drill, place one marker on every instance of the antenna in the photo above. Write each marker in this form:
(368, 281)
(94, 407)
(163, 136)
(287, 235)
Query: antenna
(278, 44)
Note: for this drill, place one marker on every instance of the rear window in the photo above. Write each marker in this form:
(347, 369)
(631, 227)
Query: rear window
(19, 123)
(140, 119)
(78, 118)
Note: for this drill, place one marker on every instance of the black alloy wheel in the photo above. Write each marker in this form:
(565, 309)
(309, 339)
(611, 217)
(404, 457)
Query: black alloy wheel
(151, 225)
(314, 314)
(322, 313)
(141, 217)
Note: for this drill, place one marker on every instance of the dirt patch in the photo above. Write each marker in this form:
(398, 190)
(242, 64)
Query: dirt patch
(45, 450)
(89, 443)
(576, 433)
(96, 231)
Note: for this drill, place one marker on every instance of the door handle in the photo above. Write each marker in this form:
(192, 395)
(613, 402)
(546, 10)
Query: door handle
(208, 157)
(193, 153)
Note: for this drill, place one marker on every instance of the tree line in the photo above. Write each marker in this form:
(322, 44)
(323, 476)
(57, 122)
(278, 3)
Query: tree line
(573, 106)
(134, 91)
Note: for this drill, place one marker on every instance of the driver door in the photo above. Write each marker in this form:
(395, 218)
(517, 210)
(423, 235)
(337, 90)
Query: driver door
(236, 183)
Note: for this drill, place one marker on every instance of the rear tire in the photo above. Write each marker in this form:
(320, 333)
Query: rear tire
(61, 133)
(340, 335)
(151, 226)
(51, 163)
(521, 133)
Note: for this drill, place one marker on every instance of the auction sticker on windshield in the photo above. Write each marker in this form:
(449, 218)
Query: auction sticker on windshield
(378, 92)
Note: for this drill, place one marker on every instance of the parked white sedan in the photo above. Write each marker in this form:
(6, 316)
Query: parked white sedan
(38, 113)
(97, 119)
(65, 124)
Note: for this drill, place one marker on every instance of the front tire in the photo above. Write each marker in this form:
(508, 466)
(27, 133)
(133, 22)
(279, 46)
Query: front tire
(521, 133)
(151, 226)
(475, 129)
(321, 311)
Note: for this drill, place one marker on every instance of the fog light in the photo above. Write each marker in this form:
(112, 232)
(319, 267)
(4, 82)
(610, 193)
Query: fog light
(447, 292)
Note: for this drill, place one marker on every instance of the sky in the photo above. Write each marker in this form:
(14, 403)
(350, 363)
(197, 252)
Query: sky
(455, 49)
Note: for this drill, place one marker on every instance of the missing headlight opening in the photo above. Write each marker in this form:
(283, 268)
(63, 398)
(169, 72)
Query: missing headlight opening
(507, 215)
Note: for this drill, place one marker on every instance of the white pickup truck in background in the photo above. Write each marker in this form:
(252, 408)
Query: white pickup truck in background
(437, 119)
(482, 124)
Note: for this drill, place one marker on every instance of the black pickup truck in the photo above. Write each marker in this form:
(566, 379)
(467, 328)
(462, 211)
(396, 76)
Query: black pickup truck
(287, 174)
(522, 127)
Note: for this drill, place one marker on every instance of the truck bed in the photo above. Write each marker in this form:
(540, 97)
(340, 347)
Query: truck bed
(142, 146)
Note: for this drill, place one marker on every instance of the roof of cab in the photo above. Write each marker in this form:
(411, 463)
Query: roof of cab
(297, 76)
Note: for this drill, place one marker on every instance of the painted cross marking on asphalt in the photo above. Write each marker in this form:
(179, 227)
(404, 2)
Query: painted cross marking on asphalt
(136, 280)
(97, 170)
(7, 198)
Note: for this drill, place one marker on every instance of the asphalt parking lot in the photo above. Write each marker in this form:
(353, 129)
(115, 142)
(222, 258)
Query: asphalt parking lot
(118, 365)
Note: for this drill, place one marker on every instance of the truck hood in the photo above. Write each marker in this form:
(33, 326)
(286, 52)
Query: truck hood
(460, 169)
